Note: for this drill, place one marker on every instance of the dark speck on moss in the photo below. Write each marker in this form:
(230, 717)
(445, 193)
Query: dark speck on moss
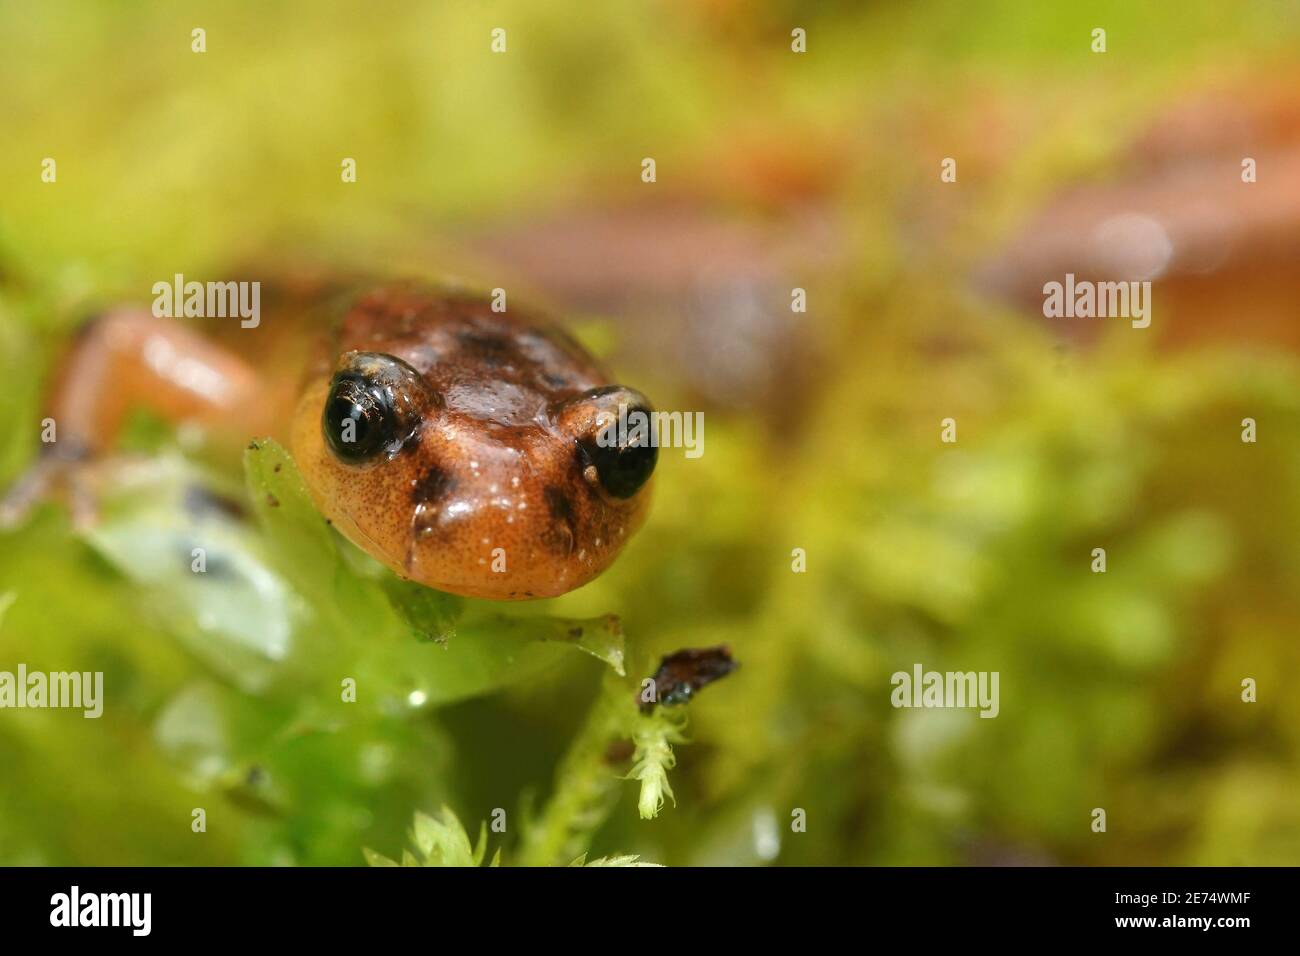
(619, 752)
(681, 676)
(272, 500)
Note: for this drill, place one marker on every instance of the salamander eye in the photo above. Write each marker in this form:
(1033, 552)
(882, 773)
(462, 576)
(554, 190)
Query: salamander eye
(622, 452)
(369, 410)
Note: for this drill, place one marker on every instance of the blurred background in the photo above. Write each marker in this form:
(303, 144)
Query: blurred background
(775, 170)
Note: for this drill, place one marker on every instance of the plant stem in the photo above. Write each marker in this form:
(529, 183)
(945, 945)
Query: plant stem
(586, 785)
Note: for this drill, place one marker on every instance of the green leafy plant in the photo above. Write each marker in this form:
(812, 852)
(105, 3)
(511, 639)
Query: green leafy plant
(285, 605)
(440, 841)
(443, 841)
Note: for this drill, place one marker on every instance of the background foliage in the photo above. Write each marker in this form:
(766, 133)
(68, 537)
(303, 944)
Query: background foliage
(1118, 690)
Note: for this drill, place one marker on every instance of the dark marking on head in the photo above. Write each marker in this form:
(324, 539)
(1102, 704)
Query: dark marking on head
(491, 348)
(427, 495)
(558, 503)
(563, 533)
(432, 486)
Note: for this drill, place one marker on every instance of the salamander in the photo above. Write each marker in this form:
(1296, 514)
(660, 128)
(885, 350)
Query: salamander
(465, 448)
